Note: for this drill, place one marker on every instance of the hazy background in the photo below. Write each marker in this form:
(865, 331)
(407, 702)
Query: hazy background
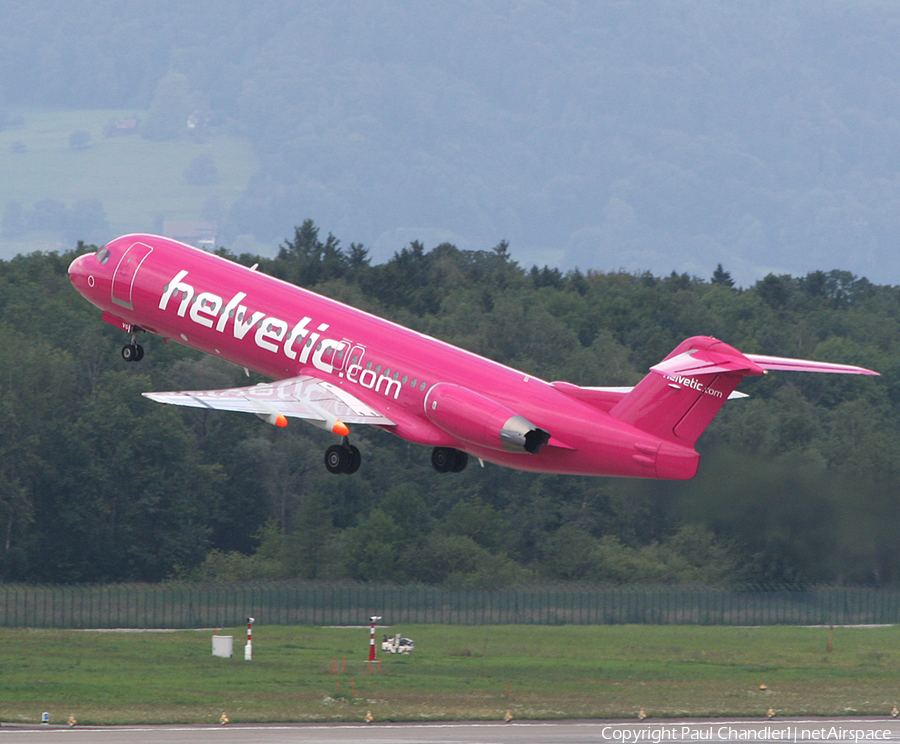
(655, 136)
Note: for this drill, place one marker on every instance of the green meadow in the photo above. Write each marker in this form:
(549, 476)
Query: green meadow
(138, 181)
(456, 673)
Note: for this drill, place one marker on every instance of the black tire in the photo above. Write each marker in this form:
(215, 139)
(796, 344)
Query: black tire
(462, 459)
(443, 459)
(355, 460)
(139, 352)
(129, 352)
(337, 459)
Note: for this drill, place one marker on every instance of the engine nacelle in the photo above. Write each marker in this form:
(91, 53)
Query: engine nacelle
(482, 421)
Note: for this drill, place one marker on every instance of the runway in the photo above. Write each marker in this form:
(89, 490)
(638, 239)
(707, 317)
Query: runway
(684, 731)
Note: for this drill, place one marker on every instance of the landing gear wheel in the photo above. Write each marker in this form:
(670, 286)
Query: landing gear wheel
(355, 460)
(132, 352)
(441, 459)
(337, 459)
(448, 460)
(342, 458)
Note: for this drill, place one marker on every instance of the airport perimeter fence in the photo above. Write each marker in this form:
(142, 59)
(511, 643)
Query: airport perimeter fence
(176, 605)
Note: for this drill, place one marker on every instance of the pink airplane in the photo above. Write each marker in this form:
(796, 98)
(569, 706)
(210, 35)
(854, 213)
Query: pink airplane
(335, 365)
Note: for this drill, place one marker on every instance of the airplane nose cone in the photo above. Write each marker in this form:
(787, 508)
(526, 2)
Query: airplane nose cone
(79, 273)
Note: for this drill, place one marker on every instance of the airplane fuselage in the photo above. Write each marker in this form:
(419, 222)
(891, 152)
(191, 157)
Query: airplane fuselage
(284, 331)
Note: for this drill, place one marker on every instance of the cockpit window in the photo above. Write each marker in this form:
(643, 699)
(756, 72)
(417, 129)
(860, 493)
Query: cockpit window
(103, 255)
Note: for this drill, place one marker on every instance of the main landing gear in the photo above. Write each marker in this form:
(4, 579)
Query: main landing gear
(345, 458)
(449, 460)
(342, 458)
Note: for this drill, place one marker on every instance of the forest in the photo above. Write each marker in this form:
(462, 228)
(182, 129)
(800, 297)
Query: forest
(797, 484)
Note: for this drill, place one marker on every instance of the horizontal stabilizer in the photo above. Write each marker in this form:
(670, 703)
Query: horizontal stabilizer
(805, 365)
(707, 362)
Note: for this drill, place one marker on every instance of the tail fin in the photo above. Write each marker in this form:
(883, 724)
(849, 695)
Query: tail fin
(680, 396)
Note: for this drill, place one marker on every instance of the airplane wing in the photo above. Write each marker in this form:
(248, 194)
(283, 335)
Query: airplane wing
(305, 397)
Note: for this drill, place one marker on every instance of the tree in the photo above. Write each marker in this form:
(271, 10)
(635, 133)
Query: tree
(720, 276)
(796, 483)
(374, 547)
(307, 261)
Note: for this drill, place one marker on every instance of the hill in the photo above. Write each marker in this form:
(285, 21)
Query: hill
(646, 136)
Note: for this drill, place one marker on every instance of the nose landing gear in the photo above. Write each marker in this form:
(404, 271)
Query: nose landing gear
(132, 352)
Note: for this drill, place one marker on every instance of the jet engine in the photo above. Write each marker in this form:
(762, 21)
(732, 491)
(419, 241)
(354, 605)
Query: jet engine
(474, 418)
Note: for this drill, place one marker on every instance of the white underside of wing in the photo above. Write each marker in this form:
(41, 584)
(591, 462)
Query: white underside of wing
(303, 397)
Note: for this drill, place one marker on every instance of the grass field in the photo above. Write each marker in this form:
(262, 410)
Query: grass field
(455, 673)
(138, 181)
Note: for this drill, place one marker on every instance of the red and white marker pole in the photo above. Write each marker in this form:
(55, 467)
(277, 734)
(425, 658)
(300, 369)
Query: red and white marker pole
(373, 620)
(248, 649)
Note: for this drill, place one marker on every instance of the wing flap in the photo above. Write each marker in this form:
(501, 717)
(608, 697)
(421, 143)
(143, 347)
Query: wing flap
(303, 397)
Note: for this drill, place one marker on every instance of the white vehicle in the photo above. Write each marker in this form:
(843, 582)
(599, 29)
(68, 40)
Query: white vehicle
(397, 645)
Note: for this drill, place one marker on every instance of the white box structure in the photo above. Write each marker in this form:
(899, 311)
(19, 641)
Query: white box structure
(223, 646)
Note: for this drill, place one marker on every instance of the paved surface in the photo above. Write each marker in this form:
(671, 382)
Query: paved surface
(793, 730)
